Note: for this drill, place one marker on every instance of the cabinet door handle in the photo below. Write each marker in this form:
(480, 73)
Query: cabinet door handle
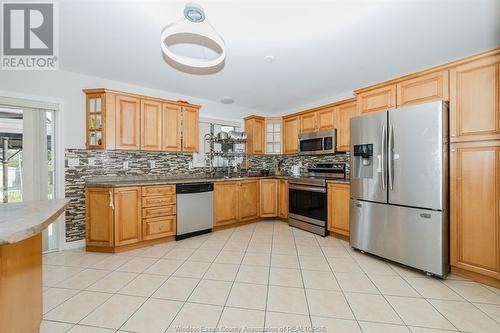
(452, 135)
(111, 201)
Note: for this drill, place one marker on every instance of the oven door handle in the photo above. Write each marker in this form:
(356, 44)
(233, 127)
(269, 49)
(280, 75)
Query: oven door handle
(307, 188)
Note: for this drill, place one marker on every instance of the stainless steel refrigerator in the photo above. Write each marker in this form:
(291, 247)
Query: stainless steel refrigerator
(399, 186)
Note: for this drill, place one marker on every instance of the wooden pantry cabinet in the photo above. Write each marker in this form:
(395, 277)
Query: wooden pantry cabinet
(121, 218)
(475, 207)
(338, 197)
(475, 100)
(119, 120)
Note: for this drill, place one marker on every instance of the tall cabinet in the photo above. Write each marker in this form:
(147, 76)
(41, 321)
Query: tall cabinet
(119, 120)
(475, 168)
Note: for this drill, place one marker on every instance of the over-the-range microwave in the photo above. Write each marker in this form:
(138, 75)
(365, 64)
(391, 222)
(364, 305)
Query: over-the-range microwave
(316, 143)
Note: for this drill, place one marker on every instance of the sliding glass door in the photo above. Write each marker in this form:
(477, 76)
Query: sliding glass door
(28, 154)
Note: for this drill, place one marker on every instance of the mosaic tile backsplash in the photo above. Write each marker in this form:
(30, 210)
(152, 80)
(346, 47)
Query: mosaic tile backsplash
(103, 163)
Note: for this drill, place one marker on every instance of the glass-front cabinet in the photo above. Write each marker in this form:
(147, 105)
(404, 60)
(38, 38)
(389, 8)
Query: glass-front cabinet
(273, 135)
(95, 121)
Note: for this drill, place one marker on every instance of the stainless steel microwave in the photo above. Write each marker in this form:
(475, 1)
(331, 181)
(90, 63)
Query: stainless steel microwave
(316, 143)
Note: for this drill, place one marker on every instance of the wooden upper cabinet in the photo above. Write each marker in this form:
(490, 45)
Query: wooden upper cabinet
(151, 125)
(283, 198)
(190, 129)
(475, 207)
(255, 128)
(290, 134)
(327, 118)
(378, 99)
(309, 122)
(99, 216)
(426, 88)
(172, 127)
(344, 114)
(128, 222)
(225, 203)
(338, 208)
(248, 200)
(127, 118)
(268, 197)
(475, 100)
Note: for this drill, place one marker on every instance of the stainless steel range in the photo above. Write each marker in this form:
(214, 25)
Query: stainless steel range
(307, 199)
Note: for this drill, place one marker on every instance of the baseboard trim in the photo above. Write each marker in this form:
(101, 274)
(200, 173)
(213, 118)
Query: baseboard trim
(74, 245)
(490, 281)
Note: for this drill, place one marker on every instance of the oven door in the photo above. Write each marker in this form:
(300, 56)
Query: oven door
(307, 203)
(311, 146)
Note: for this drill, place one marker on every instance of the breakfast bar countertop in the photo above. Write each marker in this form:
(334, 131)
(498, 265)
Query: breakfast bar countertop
(22, 220)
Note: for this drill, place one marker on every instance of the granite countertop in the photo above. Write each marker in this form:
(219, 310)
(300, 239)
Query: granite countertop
(122, 181)
(22, 220)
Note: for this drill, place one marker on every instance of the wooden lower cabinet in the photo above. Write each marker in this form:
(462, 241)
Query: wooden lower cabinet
(225, 203)
(338, 208)
(99, 217)
(283, 198)
(127, 210)
(268, 198)
(248, 200)
(475, 207)
(117, 218)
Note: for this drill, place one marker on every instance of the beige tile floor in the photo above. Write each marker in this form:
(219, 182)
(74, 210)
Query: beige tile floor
(259, 275)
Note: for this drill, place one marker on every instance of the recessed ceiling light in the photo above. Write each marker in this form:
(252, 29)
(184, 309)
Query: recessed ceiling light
(269, 58)
(194, 13)
(227, 100)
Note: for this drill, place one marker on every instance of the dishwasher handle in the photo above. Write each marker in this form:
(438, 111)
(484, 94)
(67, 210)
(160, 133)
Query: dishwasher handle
(187, 188)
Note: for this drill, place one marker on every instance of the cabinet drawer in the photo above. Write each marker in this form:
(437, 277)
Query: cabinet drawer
(158, 201)
(158, 227)
(158, 211)
(158, 190)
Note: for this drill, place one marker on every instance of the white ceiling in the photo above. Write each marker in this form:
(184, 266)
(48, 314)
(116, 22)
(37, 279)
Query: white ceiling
(322, 48)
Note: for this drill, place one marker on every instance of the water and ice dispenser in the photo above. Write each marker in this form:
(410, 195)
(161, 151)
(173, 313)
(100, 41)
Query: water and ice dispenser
(363, 161)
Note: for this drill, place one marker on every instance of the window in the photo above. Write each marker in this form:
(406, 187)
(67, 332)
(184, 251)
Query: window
(273, 136)
(213, 126)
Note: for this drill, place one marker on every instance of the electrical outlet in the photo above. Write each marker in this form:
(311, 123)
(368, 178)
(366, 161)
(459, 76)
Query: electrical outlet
(152, 164)
(125, 164)
(91, 161)
(73, 162)
(190, 165)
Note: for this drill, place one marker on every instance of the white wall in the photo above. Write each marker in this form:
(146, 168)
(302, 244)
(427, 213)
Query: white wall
(323, 101)
(67, 86)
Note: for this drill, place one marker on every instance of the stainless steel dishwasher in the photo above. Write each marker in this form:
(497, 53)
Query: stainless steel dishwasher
(195, 209)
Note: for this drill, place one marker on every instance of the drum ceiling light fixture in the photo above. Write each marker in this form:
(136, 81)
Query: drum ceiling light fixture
(193, 29)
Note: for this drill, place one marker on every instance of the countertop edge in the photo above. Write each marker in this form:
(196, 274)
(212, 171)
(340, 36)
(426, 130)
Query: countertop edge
(33, 230)
(113, 184)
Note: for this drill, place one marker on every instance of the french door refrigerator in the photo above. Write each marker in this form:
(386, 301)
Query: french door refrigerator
(399, 186)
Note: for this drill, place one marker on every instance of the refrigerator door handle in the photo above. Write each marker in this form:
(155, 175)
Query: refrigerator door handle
(383, 142)
(390, 159)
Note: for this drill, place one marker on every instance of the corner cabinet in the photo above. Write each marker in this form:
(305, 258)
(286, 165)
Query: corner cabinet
(338, 208)
(118, 120)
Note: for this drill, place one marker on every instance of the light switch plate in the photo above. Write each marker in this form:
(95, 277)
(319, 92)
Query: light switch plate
(152, 164)
(73, 162)
(125, 164)
(91, 161)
